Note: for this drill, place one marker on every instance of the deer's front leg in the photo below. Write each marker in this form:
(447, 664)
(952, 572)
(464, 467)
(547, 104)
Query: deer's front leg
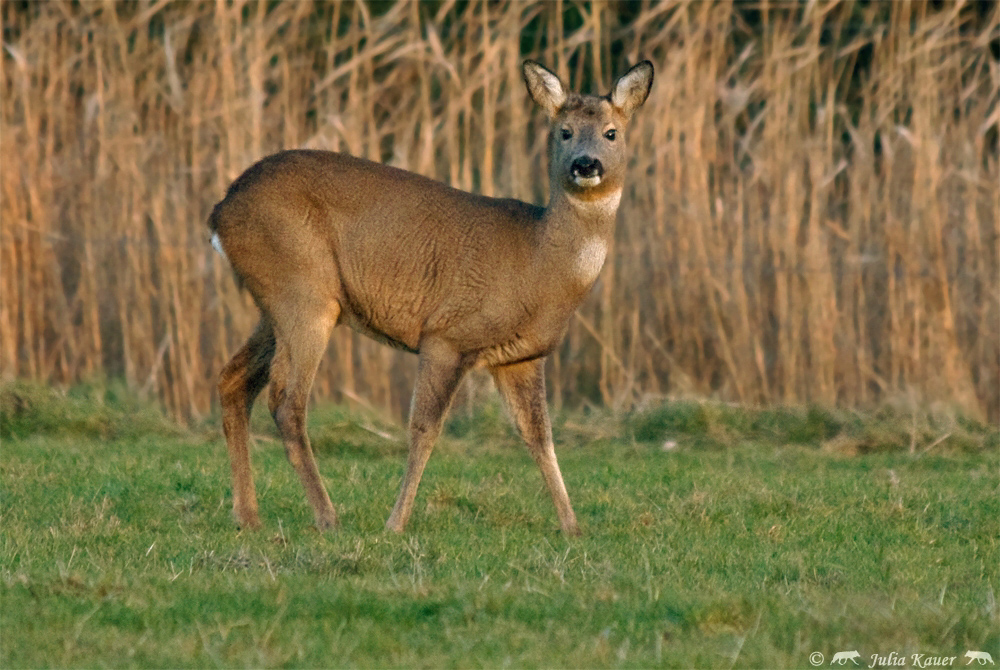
(522, 386)
(439, 371)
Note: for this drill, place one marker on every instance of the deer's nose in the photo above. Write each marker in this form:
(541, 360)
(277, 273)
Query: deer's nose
(586, 167)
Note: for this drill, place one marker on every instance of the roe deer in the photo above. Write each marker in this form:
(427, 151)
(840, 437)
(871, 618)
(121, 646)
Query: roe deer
(321, 238)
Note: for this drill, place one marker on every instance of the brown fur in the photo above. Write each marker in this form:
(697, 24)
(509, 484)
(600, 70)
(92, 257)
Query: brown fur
(321, 238)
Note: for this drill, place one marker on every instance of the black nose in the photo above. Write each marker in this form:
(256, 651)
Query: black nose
(585, 167)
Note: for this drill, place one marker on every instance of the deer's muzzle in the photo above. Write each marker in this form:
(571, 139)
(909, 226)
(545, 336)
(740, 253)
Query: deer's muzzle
(586, 171)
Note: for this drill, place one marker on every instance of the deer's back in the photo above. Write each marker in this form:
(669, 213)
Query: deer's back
(404, 255)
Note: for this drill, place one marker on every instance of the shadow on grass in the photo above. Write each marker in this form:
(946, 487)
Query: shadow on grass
(97, 410)
(893, 427)
(110, 411)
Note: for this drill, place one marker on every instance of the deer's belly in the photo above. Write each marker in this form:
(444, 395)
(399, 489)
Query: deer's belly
(527, 342)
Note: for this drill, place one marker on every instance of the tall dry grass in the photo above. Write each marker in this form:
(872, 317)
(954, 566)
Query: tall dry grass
(811, 213)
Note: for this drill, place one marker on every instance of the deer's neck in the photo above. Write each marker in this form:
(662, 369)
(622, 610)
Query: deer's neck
(581, 231)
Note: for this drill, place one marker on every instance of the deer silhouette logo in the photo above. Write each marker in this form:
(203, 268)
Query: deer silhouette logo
(982, 656)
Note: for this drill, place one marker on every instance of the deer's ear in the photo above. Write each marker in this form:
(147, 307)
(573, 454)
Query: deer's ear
(544, 87)
(632, 89)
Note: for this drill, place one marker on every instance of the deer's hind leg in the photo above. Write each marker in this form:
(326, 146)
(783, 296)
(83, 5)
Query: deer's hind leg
(302, 336)
(240, 382)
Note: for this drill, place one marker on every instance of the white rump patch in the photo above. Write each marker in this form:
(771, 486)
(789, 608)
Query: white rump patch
(590, 259)
(217, 245)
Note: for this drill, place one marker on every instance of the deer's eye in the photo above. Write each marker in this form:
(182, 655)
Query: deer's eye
(566, 133)
(609, 135)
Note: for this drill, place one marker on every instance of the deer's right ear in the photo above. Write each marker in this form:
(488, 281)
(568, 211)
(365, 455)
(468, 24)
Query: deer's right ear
(544, 87)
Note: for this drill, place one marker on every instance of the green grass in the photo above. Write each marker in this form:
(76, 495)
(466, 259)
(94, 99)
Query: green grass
(759, 539)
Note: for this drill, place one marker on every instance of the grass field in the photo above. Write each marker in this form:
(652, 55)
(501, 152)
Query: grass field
(754, 539)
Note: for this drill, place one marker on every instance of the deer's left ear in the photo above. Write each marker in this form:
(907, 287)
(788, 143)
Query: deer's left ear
(632, 89)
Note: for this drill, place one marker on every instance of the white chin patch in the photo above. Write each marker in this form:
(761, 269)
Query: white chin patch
(586, 182)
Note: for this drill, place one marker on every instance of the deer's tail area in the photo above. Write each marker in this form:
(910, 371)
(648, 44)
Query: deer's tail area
(213, 227)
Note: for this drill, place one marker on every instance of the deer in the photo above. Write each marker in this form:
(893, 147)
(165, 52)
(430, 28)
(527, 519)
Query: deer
(464, 281)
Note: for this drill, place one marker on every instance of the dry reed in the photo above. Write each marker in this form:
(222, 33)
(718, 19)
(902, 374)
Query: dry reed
(811, 213)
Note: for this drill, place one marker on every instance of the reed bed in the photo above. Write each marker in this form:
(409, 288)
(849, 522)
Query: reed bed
(811, 214)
